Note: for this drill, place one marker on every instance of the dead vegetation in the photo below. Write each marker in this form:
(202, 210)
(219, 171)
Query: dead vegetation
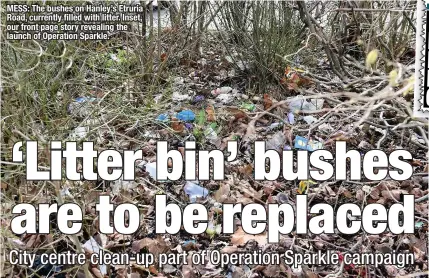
(250, 70)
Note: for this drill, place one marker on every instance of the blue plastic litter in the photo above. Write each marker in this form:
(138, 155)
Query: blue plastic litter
(186, 116)
(84, 99)
(189, 126)
(162, 118)
(80, 106)
(192, 241)
(309, 145)
(194, 190)
(198, 98)
(291, 118)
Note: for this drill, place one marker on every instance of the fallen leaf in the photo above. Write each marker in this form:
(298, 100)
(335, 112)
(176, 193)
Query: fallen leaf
(246, 170)
(267, 102)
(96, 92)
(347, 194)
(304, 81)
(190, 245)
(229, 249)
(416, 163)
(239, 115)
(3, 185)
(241, 238)
(292, 86)
(249, 191)
(177, 126)
(222, 193)
(163, 57)
(375, 193)
(210, 113)
(153, 269)
(155, 246)
(393, 194)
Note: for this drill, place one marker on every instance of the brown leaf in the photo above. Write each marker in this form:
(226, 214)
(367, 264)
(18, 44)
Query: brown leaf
(163, 57)
(267, 101)
(239, 115)
(190, 246)
(292, 86)
(246, 170)
(210, 113)
(229, 249)
(240, 238)
(416, 162)
(154, 246)
(375, 193)
(407, 184)
(249, 191)
(153, 269)
(304, 81)
(3, 185)
(177, 126)
(382, 201)
(393, 194)
(97, 92)
(222, 193)
(338, 136)
(347, 194)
